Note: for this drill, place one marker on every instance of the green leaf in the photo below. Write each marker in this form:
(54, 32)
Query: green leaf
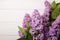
(22, 39)
(29, 36)
(55, 14)
(58, 8)
(53, 5)
(22, 30)
(28, 25)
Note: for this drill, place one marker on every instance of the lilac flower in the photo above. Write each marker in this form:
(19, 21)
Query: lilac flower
(46, 12)
(52, 38)
(55, 28)
(46, 18)
(32, 31)
(39, 37)
(20, 34)
(47, 6)
(52, 31)
(35, 14)
(37, 27)
(46, 30)
(26, 18)
(36, 30)
(58, 19)
(36, 18)
(49, 38)
(56, 25)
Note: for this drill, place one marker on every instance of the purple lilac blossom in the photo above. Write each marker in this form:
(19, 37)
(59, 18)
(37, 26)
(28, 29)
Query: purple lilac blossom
(46, 34)
(39, 37)
(52, 38)
(38, 21)
(32, 31)
(46, 13)
(26, 18)
(37, 27)
(40, 30)
(54, 30)
(56, 25)
(36, 18)
(36, 30)
(47, 6)
(46, 18)
(52, 33)
(20, 34)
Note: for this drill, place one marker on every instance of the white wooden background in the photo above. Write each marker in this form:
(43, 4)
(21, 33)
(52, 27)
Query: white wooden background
(11, 15)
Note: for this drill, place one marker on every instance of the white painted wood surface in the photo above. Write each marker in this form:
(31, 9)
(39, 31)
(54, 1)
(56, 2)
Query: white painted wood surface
(11, 15)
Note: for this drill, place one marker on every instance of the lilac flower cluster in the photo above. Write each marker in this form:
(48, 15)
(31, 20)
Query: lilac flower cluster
(40, 28)
(54, 29)
(46, 12)
(46, 19)
(37, 27)
(26, 18)
(20, 34)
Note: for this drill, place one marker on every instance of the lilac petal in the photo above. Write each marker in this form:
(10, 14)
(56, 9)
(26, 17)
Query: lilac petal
(54, 38)
(41, 36)
(47, 4)
(40, 28)
(32, 31)
(52, 31)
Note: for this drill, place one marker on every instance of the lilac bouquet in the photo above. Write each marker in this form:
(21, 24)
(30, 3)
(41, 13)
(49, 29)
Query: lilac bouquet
(45, 27)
